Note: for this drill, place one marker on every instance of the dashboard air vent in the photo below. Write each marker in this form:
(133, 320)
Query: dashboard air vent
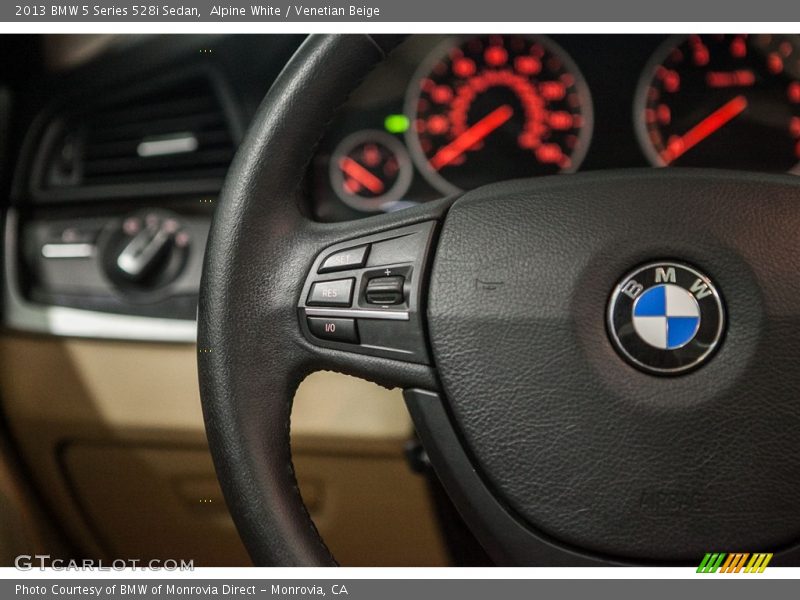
(172, 136)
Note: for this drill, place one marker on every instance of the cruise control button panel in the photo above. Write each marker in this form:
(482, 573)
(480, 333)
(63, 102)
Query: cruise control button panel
(334, 292)
(364, 295)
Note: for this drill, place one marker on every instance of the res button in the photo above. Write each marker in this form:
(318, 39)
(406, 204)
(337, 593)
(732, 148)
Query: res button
(336, 292)
(352, 258)
(336, 330)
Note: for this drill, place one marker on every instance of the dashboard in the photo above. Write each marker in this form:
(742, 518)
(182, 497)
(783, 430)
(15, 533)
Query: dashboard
(120, 160)
(449, 113)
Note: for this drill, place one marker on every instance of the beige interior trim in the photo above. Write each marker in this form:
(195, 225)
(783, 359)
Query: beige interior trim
(71, 403)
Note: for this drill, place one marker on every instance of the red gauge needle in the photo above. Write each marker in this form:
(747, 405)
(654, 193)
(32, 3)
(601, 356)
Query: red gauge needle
(713, 122)
(361, 175)
(471, 136)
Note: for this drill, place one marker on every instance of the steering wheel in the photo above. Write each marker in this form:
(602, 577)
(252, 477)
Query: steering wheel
(535, 326)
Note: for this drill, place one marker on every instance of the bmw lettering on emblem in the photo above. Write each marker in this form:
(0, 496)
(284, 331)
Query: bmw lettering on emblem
(666, 318)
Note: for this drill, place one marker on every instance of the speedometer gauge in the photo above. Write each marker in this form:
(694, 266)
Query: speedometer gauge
(496, 107)
(724, 101)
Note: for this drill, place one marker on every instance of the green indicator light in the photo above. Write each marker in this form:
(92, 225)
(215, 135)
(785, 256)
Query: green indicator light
(396, 123)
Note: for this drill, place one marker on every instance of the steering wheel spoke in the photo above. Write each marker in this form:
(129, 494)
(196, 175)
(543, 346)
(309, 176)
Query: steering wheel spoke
(366, 295)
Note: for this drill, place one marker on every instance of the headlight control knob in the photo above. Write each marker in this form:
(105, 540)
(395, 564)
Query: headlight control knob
(146, 251)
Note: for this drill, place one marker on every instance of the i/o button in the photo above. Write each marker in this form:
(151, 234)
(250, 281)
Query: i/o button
(336, 330)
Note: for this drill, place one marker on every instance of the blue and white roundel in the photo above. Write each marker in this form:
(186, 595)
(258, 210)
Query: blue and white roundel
(666, 316)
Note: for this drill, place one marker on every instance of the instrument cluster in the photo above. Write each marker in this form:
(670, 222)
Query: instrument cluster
(450, 113)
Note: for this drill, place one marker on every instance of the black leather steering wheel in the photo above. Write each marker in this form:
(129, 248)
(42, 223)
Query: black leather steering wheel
(554, 447)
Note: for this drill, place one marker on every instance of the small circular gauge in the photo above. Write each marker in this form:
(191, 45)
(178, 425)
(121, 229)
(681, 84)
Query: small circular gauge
(722, 101)
(370, 170)
(497, 107)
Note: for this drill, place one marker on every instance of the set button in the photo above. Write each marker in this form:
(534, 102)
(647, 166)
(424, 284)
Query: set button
(352, 258)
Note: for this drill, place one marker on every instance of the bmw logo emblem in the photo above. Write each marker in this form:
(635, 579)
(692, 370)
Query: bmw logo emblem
(666, 318)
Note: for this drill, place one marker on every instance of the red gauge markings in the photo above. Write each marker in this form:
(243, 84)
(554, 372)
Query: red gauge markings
(489, 108)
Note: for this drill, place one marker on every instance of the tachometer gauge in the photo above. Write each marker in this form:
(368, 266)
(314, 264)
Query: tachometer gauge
(370, 170)
(497, 107)
(724, 101)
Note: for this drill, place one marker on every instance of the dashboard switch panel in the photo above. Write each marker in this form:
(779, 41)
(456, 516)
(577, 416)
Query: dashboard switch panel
(108, 260)
(373, 306)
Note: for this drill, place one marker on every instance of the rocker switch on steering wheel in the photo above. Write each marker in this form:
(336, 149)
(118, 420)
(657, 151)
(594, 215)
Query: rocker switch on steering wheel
(385, 290)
